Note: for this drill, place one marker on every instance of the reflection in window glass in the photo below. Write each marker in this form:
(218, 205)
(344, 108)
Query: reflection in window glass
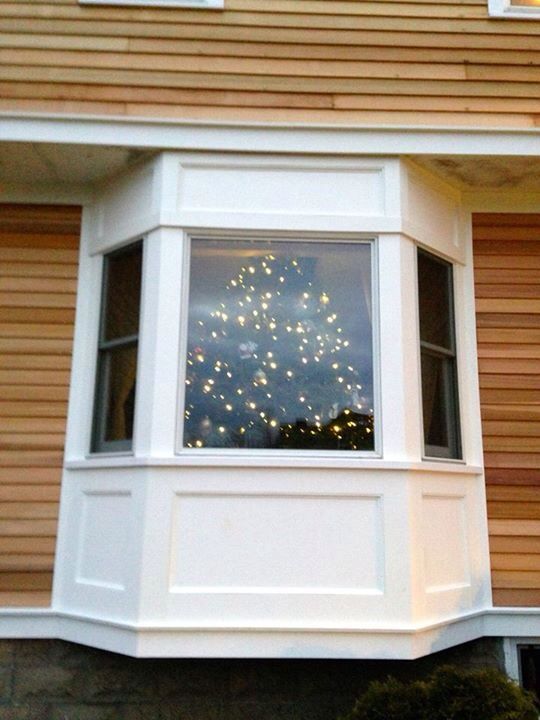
(123, 295)
(119, 372)
(438, 357)
(279, 346)
(117, 351)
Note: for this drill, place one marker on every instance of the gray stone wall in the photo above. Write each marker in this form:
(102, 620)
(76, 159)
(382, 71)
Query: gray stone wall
(55, 680)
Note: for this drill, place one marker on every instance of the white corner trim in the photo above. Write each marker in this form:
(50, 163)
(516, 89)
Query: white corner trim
(505, 9)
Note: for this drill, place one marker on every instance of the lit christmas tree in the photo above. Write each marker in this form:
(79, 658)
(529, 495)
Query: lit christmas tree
(271, 367)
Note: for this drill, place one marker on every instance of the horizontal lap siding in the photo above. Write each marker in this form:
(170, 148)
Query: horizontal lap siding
(392, 61)
(507, 276)
(38, 271)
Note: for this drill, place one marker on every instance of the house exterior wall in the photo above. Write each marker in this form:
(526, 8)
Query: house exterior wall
(38, 272)
(389, 62)
(507, 275)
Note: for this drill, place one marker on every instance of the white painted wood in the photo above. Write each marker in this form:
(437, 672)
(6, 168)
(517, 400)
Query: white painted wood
(329, 140)
(431, 213)
(519, 625)
(159, 345)
(446, 556)
(194, 4)
(505, 9)
(84, 356)
(255, 548)
(279, 543)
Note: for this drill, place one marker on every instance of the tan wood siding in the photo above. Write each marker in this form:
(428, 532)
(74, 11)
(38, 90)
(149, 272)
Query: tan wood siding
(507, 276)
(38, 270)
(338, 61)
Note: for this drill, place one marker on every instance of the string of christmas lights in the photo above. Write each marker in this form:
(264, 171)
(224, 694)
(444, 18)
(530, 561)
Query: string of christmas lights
(270, 366)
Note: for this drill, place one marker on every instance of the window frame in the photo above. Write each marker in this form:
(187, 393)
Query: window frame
(276, 453)
(453, 452)
(98, 445)
(193, 4)
(505, 9)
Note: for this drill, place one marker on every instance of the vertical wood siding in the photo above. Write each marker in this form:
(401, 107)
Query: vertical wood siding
(507, 275)
(38, 269)
(441, 62)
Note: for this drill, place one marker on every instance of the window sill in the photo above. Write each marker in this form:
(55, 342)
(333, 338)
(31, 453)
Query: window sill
(194, 4)
(372, 463)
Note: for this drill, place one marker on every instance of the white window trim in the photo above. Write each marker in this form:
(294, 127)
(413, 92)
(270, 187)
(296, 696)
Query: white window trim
(200, 4)
(247, 456)
(505, 9)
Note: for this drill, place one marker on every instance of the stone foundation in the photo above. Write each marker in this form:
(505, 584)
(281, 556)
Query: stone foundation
(55, 680)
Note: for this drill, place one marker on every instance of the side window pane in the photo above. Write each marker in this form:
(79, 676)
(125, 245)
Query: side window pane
(438, 358)
(117, 351)
(280, 348)
(434, 296)
(123, 295)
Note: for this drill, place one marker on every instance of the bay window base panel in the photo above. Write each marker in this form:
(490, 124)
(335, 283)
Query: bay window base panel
(192, 561)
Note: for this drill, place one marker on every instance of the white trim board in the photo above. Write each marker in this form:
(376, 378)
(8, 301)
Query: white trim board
(258, 137)
(505, 9)
(406, 641)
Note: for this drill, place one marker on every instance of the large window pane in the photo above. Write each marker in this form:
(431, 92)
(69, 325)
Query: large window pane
(117, 351)
(438, 358)
(279, 346)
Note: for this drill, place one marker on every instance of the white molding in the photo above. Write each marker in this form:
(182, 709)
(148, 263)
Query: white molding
(265, 459)
(505, 9)
(280, 640)
(406, 640)
(195, 4)
(258, 137)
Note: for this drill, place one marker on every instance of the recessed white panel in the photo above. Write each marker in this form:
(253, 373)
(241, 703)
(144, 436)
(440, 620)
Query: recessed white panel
(126, 204)
(431, 215)
(270, 190)
(446, 552)
(103, 539)
(273, 543)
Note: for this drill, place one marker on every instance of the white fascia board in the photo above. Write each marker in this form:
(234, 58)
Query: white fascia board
(399, 642)
(275, 138)
(512, 622)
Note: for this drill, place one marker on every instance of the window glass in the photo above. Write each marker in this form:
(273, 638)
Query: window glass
(123, 294)
(117, 351)
(438, 357)
(279, 350)
(434, 296)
